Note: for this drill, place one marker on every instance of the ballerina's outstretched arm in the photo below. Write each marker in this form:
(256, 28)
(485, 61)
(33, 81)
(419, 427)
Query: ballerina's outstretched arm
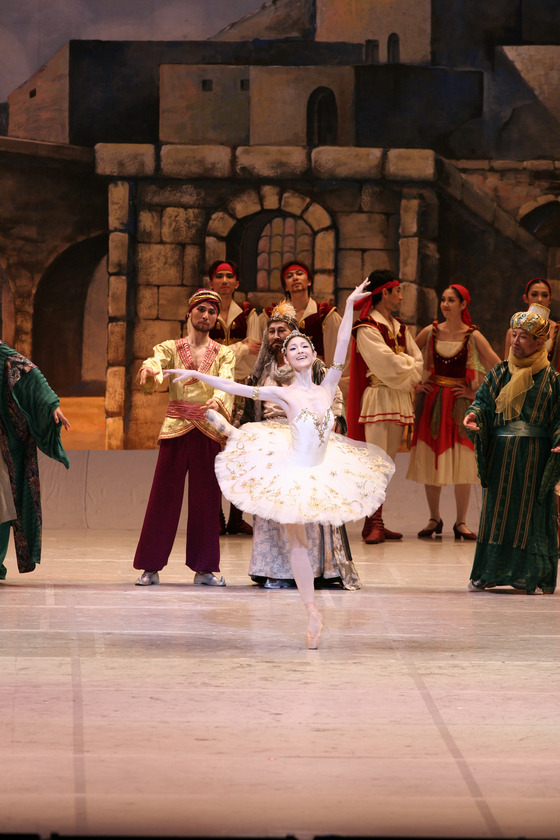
(271, 393)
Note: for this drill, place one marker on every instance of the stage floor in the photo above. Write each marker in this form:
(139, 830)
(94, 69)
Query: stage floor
(428, 711)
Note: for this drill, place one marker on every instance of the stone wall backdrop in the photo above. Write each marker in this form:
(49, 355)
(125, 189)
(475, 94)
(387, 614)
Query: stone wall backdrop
(427, 141)
(366, 209)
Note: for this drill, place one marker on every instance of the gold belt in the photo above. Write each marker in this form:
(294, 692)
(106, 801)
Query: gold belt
(447, 380)
(374, 382)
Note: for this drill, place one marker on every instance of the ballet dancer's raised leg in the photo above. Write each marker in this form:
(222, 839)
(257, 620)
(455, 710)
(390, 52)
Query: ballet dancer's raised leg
(220, 423)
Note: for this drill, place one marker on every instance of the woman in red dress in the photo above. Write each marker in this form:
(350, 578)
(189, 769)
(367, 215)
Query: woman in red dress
(456, 357)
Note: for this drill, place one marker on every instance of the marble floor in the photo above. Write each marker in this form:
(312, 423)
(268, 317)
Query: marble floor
(177, 711)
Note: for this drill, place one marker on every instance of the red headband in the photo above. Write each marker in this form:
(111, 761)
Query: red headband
(538, 280)
(365, 306)
(291, 267)
(225, 266)
(465, 294)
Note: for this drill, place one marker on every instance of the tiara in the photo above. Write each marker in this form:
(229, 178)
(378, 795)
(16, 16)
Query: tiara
(294, 334)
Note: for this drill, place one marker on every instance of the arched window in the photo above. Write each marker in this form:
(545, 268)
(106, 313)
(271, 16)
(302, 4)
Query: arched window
(393, 49)
(322, 118)
(261, 243)
(283, 238)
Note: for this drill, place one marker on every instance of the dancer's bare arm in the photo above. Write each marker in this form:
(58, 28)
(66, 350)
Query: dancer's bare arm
(334, 373)
(273, 393)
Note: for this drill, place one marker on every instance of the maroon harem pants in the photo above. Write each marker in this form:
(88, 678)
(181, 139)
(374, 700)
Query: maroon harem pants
(193, 453)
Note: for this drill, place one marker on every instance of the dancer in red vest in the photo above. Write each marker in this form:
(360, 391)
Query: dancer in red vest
(385, 365)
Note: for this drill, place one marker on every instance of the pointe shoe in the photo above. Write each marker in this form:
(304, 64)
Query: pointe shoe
(313, 639)
(147, 578)
(208, 579)
(463, 535)
(427, 532)
(216, 420)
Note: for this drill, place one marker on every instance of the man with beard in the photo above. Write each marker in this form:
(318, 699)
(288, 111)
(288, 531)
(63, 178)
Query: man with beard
(270, 558)
(188, 443)
(514, 423)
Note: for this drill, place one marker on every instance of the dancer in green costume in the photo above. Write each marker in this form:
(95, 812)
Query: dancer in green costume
(514, 423)
(30, 417)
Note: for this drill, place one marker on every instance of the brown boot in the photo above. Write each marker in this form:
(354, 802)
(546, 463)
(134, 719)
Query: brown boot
(368, 524)
(236, 524)
(376, 532)
(389, 535)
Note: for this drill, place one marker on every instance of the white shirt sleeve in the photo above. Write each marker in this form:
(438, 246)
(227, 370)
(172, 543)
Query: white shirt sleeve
(400, 371)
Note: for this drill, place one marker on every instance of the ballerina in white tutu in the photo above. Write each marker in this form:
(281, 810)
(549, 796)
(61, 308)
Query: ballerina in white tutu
(300, 471)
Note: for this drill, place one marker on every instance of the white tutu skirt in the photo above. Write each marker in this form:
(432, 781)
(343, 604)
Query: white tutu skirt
(258, 472)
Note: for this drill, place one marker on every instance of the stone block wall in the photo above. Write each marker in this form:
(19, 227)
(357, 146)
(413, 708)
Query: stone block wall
(367, 209)
(119, 267)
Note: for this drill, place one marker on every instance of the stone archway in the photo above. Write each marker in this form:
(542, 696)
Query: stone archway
(60, 319)
(240, 217)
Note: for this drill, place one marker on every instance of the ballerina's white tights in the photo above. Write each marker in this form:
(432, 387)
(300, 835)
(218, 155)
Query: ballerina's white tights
(299, 557)
(301, 565)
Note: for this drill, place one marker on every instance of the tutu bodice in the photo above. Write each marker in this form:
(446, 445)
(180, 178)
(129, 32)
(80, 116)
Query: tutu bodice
(310, 434)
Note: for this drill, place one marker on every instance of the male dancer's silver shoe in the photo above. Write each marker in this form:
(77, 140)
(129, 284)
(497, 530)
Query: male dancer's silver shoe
(208, 579)
(147, 578)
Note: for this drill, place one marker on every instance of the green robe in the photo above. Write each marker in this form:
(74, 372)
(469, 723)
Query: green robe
(517, 540)
(26, 406)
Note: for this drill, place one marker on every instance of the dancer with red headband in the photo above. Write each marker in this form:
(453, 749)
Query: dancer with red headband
(538, 290)
(317, 319)
(237, 327)
(456, 357)
(385, 366)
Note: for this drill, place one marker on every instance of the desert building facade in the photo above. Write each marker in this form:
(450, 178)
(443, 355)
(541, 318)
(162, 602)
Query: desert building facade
(358, 145)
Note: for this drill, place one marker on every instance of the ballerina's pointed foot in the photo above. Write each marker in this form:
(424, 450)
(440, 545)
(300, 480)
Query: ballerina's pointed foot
(314, 627)
(218, 422)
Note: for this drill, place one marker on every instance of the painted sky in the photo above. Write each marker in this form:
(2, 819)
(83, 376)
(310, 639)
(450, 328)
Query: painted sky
(31, 31)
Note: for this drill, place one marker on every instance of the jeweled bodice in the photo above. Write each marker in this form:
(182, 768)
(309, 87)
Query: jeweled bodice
(310, 435)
